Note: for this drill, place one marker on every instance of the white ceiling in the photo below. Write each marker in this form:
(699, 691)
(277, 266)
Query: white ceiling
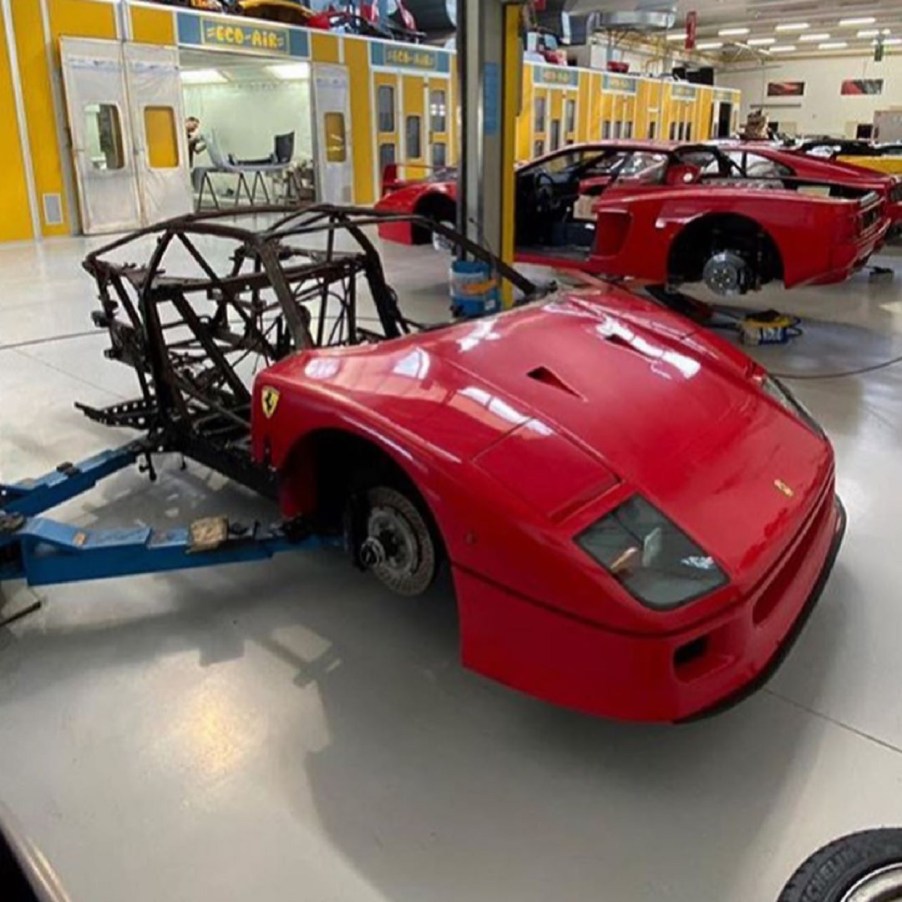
(762, 16)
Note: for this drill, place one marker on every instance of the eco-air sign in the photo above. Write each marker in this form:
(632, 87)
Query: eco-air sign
(223, 33)
(619, 84)
(682, 92)
(555, 76)
(421, 59)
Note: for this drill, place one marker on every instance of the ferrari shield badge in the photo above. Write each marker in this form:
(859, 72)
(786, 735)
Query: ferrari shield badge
(270, 401)
(781, 486)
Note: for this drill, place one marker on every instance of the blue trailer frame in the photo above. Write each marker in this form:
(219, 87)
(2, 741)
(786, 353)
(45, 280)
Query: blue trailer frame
(43, 551)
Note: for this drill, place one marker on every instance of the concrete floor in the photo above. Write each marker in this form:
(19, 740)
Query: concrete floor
(290, 731)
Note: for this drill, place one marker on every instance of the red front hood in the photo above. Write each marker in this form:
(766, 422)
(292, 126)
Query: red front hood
(662, 406)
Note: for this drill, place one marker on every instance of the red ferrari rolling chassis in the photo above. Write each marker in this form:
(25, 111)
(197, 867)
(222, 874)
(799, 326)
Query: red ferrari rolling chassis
(591, 568)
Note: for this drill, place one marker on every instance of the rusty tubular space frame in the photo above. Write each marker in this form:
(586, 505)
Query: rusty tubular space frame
(193, 341)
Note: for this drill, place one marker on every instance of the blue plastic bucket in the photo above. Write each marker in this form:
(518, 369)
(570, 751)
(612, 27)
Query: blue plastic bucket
(474, 290)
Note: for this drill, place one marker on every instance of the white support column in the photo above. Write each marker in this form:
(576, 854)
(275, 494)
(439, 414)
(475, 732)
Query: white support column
(489, 58)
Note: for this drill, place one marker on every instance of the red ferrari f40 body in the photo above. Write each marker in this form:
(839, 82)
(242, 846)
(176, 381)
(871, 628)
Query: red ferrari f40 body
(531, 438)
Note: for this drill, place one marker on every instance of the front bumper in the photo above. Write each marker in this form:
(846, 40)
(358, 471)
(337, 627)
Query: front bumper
(665, 678)
(790, 638)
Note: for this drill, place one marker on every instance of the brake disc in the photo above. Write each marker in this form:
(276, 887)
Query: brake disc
(727, 274)
(399, 547)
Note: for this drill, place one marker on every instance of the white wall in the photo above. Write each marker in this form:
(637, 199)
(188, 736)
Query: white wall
(822, 109)
(246, 116)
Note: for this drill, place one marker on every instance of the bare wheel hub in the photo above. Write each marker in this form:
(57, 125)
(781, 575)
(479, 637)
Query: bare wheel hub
(398, 548)
(393, 538)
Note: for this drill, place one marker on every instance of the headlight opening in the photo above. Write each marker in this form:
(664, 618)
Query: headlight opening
(650, 556)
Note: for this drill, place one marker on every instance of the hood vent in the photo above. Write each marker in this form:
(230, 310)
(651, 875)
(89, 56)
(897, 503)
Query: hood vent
(547, 377)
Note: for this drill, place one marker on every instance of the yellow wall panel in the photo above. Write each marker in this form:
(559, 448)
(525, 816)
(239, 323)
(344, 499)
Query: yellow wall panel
(357, 60)
(152, 26)
(162, 138)
(39, 110)
(15, 213)
(81, 19)
(452, 115)
(324, 47)
(596, 108)
(704, 109)
(584, 106)
(526, 119)
(76, 18)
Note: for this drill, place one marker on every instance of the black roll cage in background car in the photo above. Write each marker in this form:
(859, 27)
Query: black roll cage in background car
(195, 343)
(728, 168)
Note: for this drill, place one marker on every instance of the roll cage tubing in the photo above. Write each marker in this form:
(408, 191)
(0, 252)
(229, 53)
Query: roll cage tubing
(266, 245)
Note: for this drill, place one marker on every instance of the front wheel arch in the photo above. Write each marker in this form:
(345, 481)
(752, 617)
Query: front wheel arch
(326, 469)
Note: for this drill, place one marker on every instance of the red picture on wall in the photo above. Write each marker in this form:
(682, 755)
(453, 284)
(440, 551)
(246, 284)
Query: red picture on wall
(785, 88)
(852, 86)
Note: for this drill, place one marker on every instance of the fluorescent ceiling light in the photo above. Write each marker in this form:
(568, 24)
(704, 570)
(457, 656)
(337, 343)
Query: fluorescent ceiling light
(820, 36)
(782, 48)
(760, 42)
(793, 26)
(891, 42)
(290, 71)
(833, 45)
(202, 77)
(676, 36)
(709, 45)
(860, 20)
(868, 33)
(727, 32)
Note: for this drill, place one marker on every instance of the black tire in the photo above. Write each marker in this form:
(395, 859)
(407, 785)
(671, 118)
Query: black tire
(833, 872)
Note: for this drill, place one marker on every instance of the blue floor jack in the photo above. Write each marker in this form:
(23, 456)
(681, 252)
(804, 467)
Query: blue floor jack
(43, 551)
